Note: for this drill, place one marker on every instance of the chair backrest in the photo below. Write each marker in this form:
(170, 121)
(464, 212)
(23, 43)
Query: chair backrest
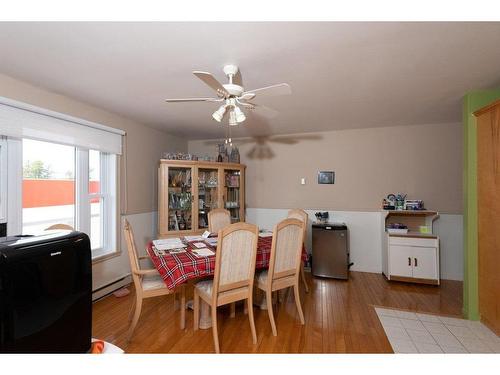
(132, 254)
(301, 215)
(286, 249)
(60, 226)
(235, 257)
(218, 219)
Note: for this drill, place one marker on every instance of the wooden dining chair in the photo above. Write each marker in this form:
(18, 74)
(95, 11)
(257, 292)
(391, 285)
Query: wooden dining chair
(148, 283)
(218, 219)
(234, 275)
(301, 215)
(284, 265)
(60, 226)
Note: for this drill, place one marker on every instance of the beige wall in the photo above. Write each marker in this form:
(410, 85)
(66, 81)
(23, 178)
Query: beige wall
(424, 161)
(144, 145)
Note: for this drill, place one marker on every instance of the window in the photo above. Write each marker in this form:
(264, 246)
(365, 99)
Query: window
(61, 169)
(96, 200)
(100, 200)
(3, 179)
(48, 187)
(67, 185)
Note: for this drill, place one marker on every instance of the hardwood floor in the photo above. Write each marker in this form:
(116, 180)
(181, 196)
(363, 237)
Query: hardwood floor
(339, 316)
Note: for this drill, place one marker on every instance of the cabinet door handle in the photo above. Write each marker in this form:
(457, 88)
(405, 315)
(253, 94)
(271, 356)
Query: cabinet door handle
(416, 262)
(409, 261)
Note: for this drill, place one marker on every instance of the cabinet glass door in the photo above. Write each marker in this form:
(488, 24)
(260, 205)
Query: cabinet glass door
(180, 209)
(208, 185)
(232, 183)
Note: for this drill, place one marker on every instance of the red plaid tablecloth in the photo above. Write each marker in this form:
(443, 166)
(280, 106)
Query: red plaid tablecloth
(178, 268)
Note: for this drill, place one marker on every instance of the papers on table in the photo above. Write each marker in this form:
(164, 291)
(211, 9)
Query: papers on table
(265, 233)
(211, 241)
(204, 252)
(199, 245)
(160, 253)
(169, 244)
(193, 238)
(205, 234)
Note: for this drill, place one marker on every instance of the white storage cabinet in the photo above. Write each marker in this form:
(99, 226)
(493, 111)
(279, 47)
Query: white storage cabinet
(411, 257)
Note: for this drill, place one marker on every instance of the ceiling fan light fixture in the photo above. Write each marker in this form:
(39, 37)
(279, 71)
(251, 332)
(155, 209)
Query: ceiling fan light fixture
(219, 114)
(232, 118)
(239, 115)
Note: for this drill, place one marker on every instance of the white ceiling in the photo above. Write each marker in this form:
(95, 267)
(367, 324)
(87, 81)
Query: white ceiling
(343, 75)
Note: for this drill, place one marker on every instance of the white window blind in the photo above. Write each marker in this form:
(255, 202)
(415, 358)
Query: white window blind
(20, 120)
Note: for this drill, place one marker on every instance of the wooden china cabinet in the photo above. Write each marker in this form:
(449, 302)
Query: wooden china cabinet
(188, 190)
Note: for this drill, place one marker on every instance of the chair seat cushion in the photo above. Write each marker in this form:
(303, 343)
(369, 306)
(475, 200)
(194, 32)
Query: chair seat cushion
(153, 282)
(261, 281)
(261, 277)
(206, 287)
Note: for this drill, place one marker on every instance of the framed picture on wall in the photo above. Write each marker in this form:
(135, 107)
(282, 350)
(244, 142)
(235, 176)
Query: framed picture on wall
(326, 177)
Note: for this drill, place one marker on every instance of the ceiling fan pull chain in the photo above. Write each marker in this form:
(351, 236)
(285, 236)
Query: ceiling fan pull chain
(226, 134)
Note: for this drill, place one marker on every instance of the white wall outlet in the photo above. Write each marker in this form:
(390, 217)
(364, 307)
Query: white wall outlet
(302, 181)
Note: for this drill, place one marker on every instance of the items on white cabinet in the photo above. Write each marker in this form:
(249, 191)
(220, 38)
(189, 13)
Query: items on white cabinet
(411, 256)
(399, 202)
(397, 228)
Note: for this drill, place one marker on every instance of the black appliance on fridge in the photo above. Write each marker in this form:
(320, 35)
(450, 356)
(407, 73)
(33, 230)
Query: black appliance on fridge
(46, 293)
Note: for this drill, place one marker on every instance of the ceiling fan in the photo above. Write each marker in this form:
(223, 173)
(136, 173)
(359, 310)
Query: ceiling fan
(233, 96)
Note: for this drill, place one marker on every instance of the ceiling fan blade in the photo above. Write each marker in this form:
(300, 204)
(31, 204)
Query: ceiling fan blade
(246, 105)
(210, 80)
(274, 90)
(193, 100)
(238, 79)
(260, 109)
(247, 96)
(284, 140)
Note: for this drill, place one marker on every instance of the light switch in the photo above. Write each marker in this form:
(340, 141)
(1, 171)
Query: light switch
(302, 181)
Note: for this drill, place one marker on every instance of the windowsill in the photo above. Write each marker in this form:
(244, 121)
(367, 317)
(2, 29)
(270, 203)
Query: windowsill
(101, 256)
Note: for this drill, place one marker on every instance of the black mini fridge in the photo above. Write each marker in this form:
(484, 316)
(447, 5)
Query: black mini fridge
(46, 293)
(330, 250)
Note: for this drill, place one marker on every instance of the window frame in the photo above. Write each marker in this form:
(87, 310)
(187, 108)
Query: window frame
(108, 195)
(14, 186)
(3, 179)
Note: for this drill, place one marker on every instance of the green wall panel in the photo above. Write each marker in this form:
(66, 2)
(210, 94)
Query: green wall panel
(472, 102)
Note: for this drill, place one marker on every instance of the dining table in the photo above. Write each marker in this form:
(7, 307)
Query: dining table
(178, 267)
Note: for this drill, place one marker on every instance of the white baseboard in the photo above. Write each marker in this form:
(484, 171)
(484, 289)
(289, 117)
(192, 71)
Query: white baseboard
(110, 288)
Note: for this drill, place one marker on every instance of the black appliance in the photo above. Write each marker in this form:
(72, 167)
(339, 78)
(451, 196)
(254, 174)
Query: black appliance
(322, 217)
(330, 250)
(46, 293)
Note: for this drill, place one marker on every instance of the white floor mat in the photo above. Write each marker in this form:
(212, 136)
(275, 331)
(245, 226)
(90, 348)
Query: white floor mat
(410, 332)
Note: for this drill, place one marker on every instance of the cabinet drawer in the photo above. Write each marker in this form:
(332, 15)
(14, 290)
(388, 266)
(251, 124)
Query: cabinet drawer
(413, 241)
